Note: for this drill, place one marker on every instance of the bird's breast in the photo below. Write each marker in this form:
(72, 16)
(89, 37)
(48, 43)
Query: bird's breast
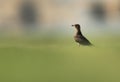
(77, 38)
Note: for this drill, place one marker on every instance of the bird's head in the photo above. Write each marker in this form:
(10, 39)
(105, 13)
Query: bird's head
(77, 26)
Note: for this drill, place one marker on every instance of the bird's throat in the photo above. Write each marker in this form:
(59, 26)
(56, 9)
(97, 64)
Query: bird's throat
(78, 32)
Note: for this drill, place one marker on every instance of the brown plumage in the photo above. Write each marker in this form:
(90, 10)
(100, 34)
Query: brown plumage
(79, 38)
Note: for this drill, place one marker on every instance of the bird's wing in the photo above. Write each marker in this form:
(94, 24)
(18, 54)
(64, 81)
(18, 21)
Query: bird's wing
(83, 40)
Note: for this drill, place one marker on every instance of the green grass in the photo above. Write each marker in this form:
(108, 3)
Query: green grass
(59, 60)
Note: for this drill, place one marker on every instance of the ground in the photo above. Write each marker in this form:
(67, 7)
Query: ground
(59, 60)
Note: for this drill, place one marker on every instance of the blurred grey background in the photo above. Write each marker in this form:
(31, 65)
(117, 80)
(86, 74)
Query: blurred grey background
(19, 17)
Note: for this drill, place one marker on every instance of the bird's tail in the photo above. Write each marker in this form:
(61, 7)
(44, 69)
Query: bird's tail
(92, 45)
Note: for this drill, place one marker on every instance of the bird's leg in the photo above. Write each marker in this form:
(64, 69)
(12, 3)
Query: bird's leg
(79, 45)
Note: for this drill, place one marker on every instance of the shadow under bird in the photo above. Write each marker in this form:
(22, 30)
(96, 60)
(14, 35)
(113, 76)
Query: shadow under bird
(79, 38)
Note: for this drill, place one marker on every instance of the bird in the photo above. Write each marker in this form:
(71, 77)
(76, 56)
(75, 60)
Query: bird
(79, 38)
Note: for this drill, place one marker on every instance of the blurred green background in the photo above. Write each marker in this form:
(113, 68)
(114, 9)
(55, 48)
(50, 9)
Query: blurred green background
(37, 45)
(59, 60)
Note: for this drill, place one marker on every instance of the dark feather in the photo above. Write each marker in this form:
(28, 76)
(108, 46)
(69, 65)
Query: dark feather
(79, 38)
(82, 40)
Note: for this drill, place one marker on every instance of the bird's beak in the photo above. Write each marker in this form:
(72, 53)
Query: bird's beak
(73, 25)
